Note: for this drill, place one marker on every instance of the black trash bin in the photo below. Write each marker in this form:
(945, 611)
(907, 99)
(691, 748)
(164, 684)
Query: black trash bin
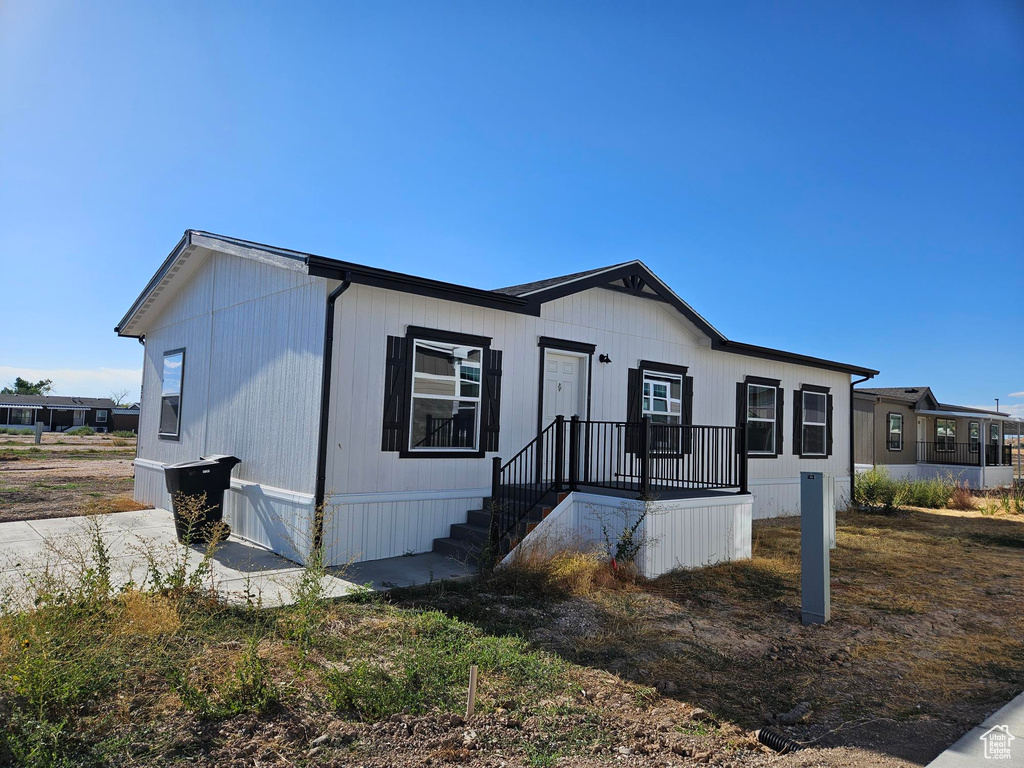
(210, 475)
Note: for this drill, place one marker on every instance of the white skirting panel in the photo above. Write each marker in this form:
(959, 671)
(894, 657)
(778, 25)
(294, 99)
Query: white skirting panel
(275, 518)
(373, 526)
(685, 533)
(780, 497)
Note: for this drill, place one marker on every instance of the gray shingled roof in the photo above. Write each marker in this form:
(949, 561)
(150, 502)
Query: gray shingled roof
(47, 401)
(909, 394)
(537, 285)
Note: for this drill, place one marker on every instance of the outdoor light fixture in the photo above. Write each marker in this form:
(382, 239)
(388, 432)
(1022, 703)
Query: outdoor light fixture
(603, 358)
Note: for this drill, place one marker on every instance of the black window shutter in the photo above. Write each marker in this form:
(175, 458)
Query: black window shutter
(491, 399)
(687, 415)
(741, 409)
(780, 421)
(828, 428)
(798, 422)
(396, 387)
(633, 410)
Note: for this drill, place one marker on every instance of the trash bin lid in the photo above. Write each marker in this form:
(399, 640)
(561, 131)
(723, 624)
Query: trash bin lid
(191, 464)
(220, 457)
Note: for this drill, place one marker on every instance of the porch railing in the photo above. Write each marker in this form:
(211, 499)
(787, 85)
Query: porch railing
(637, 457)
(963, 454)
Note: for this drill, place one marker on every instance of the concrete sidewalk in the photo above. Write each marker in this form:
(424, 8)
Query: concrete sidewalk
(58, 549)
(997, 741)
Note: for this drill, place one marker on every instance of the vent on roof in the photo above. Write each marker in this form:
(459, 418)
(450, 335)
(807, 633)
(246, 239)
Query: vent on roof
(911, 391)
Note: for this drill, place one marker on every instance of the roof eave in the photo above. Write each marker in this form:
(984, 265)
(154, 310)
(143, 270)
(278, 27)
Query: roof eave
(753, 350)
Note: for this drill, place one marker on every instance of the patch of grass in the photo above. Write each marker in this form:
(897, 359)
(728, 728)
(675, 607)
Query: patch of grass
(427, 667)
(124, 433)
(80, 431)
(56, 487)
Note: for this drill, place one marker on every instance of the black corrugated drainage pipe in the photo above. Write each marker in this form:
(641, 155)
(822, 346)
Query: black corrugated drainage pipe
(325, 407)
(853, 462)
(777, 741)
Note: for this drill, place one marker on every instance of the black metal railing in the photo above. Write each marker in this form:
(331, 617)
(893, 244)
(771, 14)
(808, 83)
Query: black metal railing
(455, 432)
(638, 457)
(963, 454)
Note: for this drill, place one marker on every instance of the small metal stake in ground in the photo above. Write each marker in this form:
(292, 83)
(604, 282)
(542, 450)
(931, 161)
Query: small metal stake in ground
(817, 509)
(471, 700)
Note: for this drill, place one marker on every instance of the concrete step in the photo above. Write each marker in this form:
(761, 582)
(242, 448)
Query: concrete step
(477, 534)
(460, 550)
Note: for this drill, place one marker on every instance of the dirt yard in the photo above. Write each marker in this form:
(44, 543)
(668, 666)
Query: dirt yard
(65, 475)
(926, 637)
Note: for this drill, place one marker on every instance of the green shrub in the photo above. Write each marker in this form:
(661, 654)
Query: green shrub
(81, 431)
(123, 433)
(875, 488)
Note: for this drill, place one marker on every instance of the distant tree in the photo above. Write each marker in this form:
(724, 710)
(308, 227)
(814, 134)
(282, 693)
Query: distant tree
(120, 398)
(23, 387)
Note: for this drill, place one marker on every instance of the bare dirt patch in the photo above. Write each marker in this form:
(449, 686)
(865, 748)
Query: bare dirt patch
(37, 486)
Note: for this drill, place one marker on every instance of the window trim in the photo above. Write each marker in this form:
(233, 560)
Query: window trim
(100, 411)
(994, 425)
(775, 384)
(416, 333)
(176, 435)
(973, 443)
(667, 370)
(939, 446)
(458, 397)
(888, 432)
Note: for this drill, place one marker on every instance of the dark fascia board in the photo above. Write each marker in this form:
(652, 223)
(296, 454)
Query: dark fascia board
(569, 346)
(320, 266)
(184, 243)
(766, 353)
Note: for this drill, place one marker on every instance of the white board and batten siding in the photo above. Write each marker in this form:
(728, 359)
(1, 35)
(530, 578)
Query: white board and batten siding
(253, 340)
(377, 500)
(684, 533)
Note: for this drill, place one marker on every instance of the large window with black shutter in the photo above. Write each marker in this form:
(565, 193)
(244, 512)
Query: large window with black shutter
(812, 422)
(759, 409)
(664, 394)
(442, 395)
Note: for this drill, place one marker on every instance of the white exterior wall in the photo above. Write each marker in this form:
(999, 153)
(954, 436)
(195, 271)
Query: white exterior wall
(253, 339)
(685, 533)
(626, 328)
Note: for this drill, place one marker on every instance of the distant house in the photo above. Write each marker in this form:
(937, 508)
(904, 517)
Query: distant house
(59, 413)
(125, 419)
(406, 406)
(910, 433)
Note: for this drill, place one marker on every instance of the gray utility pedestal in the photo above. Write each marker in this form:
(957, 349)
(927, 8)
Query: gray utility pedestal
(817, 537)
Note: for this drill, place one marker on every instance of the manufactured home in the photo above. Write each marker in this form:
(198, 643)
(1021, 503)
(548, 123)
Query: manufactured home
(58, 413)
(409, 409)
(907, 431)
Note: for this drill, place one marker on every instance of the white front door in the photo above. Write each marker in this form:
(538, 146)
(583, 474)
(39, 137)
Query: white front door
(565, 386)
(78, 418)
(922, 437)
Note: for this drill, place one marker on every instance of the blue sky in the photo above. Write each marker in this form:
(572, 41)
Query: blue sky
(842, 180)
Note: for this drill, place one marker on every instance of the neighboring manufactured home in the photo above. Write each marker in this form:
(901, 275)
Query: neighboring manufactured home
(910, 433)
(57, 413)
(404, 404)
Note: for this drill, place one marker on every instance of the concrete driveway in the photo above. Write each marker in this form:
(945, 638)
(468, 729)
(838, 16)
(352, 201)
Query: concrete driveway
(56, 550)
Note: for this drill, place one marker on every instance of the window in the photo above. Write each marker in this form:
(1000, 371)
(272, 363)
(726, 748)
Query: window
(814, 423)
(101, 417)
(993, 434)
(663, 404)
(445, 409)
(170, 394)
(973, 435)
(895, 431)
(762, 408)
(21, 416)
(945, 434)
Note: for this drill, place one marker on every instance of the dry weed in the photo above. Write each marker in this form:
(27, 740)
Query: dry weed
(146, 614)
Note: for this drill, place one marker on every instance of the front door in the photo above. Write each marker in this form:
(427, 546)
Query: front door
(922, 437)
(79, 418)
(564, 386)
